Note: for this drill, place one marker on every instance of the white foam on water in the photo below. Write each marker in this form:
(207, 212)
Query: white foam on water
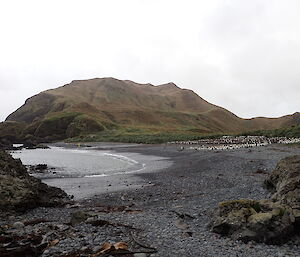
(96, 176)
(78, 162)
(122, 158)
(117, 173)
(131, 171)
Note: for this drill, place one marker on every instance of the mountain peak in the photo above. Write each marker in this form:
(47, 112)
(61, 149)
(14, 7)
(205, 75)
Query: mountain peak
(170, 85)
(86, 106)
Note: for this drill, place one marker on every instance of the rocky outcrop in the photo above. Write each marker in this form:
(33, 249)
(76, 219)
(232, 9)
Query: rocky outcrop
(246, 220)
(19, 191)
(285, 183)
(270, 221)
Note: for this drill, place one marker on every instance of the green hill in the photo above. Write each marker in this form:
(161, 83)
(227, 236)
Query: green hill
(116, 110)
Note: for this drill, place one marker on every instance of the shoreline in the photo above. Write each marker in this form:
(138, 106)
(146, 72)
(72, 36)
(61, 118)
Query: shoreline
(171, 211)
(86, 187)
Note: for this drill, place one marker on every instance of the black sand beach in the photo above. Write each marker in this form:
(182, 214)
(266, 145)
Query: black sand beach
(169, 210)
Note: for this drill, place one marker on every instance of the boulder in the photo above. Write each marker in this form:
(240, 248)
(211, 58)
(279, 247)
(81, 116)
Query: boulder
(284, 181)
(78, 217)
(41, 167)
(4, 144)
(268, 221)
(19, 191)
(11, 167)
(249, 220)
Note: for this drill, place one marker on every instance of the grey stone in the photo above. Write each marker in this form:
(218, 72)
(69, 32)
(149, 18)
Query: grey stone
(84, 248)
(97, 248)
(269, 221)
(247, 220)
(140, 255)
(18, 225)
(78, 217)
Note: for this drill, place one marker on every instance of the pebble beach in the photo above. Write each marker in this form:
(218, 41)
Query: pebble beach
(168, 212)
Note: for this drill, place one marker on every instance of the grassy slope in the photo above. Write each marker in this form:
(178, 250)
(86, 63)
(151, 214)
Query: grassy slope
(114, 110)
(293, 131)
(11, 131)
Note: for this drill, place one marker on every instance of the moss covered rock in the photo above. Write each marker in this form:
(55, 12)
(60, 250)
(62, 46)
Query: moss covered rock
(284, 181)
(83, 124)
(19, 191)
(55, 126)
(247, 220)
(268, 221)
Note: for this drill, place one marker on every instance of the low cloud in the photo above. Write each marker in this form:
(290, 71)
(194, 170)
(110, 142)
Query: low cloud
(240, 55)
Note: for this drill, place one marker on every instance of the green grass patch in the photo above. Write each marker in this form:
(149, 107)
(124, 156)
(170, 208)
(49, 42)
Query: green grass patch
(61, 115)
(289, 132)
(139, 136)
(256, 207)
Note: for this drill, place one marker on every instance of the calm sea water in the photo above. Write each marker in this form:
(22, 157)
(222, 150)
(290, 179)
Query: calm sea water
(74, 163)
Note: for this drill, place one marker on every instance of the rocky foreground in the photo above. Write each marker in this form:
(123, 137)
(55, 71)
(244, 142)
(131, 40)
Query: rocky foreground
(271, 221)
(169, 216)
(20, 192)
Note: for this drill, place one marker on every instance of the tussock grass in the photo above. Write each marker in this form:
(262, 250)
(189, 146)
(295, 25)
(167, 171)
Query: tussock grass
(135, 135)
(289, 132)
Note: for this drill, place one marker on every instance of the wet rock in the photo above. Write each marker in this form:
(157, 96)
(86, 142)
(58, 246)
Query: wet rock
(29, 145)
(6, 145)
(32, 146)
(284, 181)
(10, 166)
(41, 167)
(19, 191)
(41, 146)
(249, 220)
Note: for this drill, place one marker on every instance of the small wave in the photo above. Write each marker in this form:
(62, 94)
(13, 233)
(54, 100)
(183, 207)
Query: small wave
(98, 153)
(131, 171)
(68, 165)
(96, 176)
(77, 150)
(116, 173)
(122, 158)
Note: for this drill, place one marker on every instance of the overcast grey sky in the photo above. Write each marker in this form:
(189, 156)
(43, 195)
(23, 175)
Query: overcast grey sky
(241, 55)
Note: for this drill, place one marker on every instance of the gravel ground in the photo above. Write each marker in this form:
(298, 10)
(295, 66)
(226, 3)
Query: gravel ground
(170, 212)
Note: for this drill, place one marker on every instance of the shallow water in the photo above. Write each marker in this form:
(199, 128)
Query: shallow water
(75, 163)
(88, 171)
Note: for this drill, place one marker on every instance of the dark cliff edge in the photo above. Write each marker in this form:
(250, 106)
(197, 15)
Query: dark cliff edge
(19, 191)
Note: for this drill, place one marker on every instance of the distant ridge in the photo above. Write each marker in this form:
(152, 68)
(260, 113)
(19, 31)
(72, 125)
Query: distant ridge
(108, 104)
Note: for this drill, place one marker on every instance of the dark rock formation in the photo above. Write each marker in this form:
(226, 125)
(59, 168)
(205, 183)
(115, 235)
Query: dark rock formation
(78, 217)
(268, 221)
(19, 191)
(261, 221)
(5, 144)
(285, 183)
